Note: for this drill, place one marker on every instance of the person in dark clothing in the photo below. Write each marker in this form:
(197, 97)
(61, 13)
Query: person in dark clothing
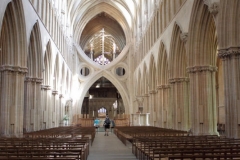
(106, 124)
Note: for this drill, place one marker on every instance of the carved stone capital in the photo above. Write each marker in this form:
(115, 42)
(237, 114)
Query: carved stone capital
(35, 80)
(212, 7)
(184, 37)
(228, 53)
(18, 69)
(28, 79)
(178, 80)
(54, 93)
(38, 80)
(164, 86)
(153, 92)
(46, 87)
(196, 69)
(61, 96)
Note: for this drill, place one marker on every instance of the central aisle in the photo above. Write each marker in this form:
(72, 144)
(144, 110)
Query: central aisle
(109, 148)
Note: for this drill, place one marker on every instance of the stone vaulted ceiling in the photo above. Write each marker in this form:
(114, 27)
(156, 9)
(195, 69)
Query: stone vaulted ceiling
(89, 17)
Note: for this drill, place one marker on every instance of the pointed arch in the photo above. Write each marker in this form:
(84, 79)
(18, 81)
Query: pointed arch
(13, 64)
(48, 64)
(13, 36)
(229, 30)
(162, 69)
(202, 30)
(34, 60)
(145, 79)
(152, 72)
(177, 58)
(202, 51)
(67, 83)
(63, 79)
(56, 73)
(139, 87)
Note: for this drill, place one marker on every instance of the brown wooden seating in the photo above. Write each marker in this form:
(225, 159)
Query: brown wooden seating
(152, 143)
(56, 143)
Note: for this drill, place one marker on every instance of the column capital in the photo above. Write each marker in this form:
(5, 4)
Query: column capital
(46, 87)
(54, 92)
(226, 53)
(213, 7)
(35, 79)
(10, 68)
(178, 80)
(164, 86)
(61, 96)
(184, 37)
(196, 69)
(153, 91)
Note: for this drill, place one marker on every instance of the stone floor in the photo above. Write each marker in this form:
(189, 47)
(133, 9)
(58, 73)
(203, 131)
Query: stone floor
(110, 148)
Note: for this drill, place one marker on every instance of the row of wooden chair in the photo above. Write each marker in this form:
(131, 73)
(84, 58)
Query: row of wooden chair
(56, 143)
(171, 146)
(63, 132)
(44, 148)
(127, 133)
(150, 144)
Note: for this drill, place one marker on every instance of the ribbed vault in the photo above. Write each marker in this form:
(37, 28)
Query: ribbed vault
(91, 40)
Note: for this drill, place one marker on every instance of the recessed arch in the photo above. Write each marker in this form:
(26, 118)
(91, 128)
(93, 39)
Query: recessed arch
(123, 92)
(177, 56)
(13, 36)
(203, 31)
(47, 64)
(34, 60)
(56, 73)
(162, 69)
(152, 72)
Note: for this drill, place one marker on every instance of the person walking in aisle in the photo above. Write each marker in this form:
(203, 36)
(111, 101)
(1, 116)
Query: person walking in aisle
(96, 124)
(106, 124)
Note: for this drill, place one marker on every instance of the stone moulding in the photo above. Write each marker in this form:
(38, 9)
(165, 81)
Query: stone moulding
(54, 92)
(46, 87)
(184, 37)
(30, 79)
(164, 86)
(153, 92)
(196, 69)
(10, 68)
(224, 54)
(61, 96)
(178, 80)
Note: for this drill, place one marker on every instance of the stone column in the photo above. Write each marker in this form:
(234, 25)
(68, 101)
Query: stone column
(47, 108)
(68, 110)
(163, 100)
(159, 107)
(61, 110)
(12, 100)
(38, 103)
(203, 100)
(231, 63)
(31, 109)
(146, 103)
(55, 112)
(179, 103)
(152, 110)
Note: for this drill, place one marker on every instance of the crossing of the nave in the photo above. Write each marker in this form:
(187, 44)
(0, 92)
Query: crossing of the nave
(169, 64)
